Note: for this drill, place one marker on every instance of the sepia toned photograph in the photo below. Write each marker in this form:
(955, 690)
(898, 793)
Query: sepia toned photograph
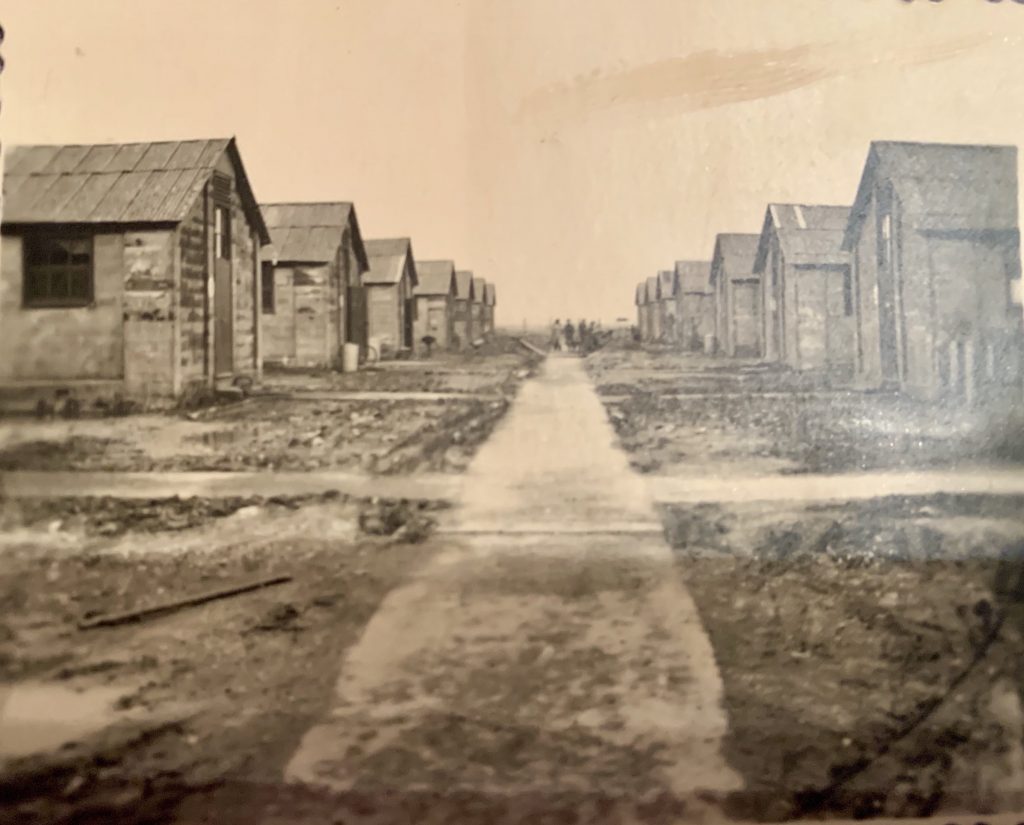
(511, 412)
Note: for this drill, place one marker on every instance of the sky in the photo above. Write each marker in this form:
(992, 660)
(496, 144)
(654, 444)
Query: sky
(563, 149)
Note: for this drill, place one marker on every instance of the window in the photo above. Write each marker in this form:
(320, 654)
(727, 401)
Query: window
(222, 233)
(267, 288)
(57, 270)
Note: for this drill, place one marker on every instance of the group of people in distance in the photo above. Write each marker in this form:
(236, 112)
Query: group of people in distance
(568, 338)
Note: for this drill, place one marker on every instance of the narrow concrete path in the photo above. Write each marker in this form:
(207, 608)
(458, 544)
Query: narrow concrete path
(682, 488)
(549, 649)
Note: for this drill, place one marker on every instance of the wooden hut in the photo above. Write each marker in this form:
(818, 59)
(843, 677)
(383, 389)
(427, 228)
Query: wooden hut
(737, 294)
(695, 305)
(389, 285)
(316, 258)
(640, 300)
(435, 297)
(490, 301)
(806, 287)
(478, 309)
(935, 242)
(462, 312)
(667, 293)
(129, 269)
(653, 309)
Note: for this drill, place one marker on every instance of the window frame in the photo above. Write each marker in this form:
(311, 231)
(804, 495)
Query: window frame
(31, 272)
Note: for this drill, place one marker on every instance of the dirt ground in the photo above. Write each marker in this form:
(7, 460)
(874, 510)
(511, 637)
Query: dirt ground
(680, 411)
(870, 651)
(210, 697)
(283, 428)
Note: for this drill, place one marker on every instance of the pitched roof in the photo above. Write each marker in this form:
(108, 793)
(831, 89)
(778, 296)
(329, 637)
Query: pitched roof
(942, 186)
(735, 253)
(435, 277)
(808, 234)
(641, 294)
(310, 232)
(479, 287)
(464, 284)
(133, 183)
(388, 258)
(490, 294)
(693, 276)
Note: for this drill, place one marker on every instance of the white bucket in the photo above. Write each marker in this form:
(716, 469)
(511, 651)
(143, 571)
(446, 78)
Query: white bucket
(350, 358)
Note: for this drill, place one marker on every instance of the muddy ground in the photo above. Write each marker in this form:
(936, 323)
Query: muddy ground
(210, 697)
(870, 651)
(292, 423)
(680, 411)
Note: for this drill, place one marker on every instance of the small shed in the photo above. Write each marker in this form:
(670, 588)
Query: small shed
(490, 302)
(434, 296)
(463, 330)
(653, 309)
(129, 269)
(935, 242)
(479, 309)
(695, 309)
(389, 285)
(807, 291)
(737, 292)
(316, 259)
(667, 305)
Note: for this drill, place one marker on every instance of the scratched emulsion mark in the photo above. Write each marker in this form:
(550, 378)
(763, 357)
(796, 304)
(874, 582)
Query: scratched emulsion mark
(706, 79)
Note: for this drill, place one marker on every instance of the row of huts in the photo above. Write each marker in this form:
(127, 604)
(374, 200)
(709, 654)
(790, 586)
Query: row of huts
(915, 287)
(152, 270)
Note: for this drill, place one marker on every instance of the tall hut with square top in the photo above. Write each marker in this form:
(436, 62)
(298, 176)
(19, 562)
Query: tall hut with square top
(462, 309)
(389, 295)
(737, 292)
(653, 309)
(935, 241)
(316, 257)
(695, 306)
(640, 300)
(435, 297)
(807, 291)
(129, 270)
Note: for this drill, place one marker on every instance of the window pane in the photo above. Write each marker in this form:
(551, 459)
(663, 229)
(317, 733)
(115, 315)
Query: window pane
(78, 285)
(58, 287)
(59, 252)
(35, 253)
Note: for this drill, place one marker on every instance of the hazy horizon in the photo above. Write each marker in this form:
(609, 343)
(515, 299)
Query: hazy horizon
(563, 150)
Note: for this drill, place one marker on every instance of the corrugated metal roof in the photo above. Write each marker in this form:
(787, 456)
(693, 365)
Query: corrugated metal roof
(306, 232)
(693, 276)
(387, 258)
(735, 253)
(808, 234)
(463, 284)
(134, 183)
(435, 277)
(939, 185)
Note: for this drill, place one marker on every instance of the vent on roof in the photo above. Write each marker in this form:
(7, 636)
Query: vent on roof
(221, 185)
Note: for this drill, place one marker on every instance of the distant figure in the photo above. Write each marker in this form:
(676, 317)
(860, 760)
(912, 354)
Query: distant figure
(570, 335)
(556, 336)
